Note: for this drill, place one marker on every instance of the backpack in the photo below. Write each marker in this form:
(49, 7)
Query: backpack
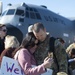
(51, 49)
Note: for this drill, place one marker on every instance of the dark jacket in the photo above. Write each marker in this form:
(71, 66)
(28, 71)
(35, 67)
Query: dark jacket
(1, 45)
(7, 52)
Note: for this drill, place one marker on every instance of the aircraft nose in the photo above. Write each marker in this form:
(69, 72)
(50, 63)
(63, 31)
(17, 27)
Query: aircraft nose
(11, 30)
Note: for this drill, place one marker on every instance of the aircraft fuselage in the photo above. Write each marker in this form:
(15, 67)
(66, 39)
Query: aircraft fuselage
(17, 18)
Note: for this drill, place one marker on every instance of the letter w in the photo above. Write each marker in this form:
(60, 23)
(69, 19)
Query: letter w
(9, 68)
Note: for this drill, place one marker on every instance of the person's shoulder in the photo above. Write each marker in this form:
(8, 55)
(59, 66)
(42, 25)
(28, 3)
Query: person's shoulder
(58, 43)
(24, 51)
(21, 52)
(4, 52)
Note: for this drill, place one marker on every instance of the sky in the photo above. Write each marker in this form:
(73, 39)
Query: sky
(65, 8)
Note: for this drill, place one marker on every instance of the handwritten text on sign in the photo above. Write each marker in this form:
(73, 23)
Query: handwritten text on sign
(10, 67)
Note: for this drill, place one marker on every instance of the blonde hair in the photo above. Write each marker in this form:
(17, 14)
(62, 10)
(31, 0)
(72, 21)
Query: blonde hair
(11, 42)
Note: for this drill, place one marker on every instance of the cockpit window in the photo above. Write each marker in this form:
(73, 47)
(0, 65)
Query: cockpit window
(35, 10)
(20, 12)
(10, 12)
(31, 9)
(27, 8)
(4, 13)
(32, 13)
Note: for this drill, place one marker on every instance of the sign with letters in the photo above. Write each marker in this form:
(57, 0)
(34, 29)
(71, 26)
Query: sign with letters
(10, 66)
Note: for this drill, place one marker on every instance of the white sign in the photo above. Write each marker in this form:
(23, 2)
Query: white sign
(10, 66)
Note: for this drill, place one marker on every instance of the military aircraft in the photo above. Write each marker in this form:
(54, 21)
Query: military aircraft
(18, 17)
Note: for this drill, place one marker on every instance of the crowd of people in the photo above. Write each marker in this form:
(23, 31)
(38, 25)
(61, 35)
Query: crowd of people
(35, 50)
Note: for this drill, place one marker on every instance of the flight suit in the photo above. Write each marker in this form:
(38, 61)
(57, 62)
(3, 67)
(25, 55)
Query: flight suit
(42, 52)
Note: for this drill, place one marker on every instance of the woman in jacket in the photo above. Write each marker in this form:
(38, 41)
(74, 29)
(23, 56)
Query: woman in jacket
(11, 43)
(24, 55)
